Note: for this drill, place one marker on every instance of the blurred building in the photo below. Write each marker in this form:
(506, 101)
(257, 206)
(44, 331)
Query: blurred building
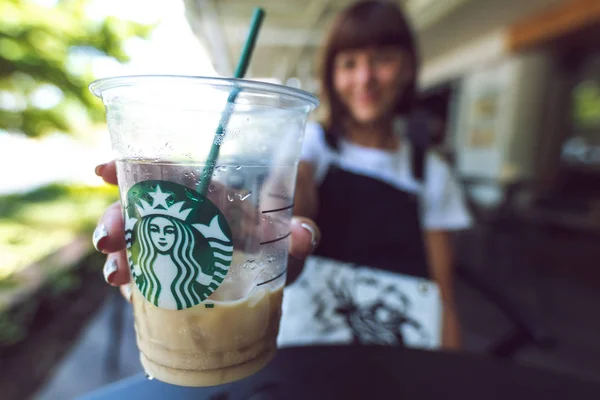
(514, 90)
(514, 85)
(292, 34)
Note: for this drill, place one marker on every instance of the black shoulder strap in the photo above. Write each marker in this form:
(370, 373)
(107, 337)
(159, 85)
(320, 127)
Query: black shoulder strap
(418, 163)
(418, 134)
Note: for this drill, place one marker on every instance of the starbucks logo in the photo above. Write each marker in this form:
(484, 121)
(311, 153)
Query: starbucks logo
(178, 244)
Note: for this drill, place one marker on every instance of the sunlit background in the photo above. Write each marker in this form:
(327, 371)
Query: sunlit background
(171, 48)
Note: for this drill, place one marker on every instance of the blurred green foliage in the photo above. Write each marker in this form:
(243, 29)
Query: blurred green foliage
(586, 104)
(12, 329)
(35, 224)
(37, 44)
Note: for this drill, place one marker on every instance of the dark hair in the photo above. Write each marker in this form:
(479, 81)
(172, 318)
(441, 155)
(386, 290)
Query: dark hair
(364, 24)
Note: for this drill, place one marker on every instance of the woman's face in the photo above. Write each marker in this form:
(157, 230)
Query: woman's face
(162, 233)
(368, 81)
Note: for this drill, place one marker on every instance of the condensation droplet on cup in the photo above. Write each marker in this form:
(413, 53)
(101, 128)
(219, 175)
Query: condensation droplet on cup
(148, 376)
(243, 197)
(270, 259)
(211, 188)
(238, 167)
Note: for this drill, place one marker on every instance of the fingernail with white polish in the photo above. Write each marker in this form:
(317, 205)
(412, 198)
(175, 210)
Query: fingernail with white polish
(313, 234)
(110, 267)
(99, 233)
(127, 291)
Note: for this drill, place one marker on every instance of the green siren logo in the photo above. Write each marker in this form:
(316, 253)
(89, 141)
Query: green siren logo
(178, 244)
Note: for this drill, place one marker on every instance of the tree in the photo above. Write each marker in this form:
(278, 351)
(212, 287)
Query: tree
(42, 88)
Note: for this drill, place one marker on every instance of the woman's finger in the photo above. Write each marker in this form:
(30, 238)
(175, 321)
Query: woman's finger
(116, 269)
(108, 236)
(305, 237)
(108, 172)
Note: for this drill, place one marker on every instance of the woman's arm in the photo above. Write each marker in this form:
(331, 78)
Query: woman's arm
(441, 261)
(305, 205)
(305, 199)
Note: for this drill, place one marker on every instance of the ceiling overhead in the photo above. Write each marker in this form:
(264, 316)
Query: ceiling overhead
(292, 32)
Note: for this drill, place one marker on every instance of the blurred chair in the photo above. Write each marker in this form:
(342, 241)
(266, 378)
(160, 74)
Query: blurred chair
(527, 329)
(498, 230)
(498, 224)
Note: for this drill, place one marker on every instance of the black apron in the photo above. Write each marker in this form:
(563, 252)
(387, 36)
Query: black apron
(370, 223)
(379, 291)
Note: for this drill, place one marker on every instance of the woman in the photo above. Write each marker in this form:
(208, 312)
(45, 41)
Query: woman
(359, 178)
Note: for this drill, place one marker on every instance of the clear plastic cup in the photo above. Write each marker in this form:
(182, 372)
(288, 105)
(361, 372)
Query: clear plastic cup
(208, 269)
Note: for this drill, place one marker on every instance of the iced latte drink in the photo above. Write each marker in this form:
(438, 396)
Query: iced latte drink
(206, 243)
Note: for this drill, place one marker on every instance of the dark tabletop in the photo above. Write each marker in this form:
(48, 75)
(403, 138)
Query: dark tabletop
(365, 372)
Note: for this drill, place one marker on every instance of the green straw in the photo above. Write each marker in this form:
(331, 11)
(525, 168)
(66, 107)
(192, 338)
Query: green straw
(240, 71)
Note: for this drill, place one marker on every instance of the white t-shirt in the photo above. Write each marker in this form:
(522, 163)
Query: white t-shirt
(442, 201)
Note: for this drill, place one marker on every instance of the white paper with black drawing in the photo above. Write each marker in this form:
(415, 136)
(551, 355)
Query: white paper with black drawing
(336, 303)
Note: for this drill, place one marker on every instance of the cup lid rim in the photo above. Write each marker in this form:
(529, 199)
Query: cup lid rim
(99, 86)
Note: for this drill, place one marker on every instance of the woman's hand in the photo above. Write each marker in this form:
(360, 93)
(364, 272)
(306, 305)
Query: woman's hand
(109, 237)
(441, 260)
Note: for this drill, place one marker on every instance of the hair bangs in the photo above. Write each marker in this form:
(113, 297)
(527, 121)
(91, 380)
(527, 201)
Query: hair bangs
(367, 26)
